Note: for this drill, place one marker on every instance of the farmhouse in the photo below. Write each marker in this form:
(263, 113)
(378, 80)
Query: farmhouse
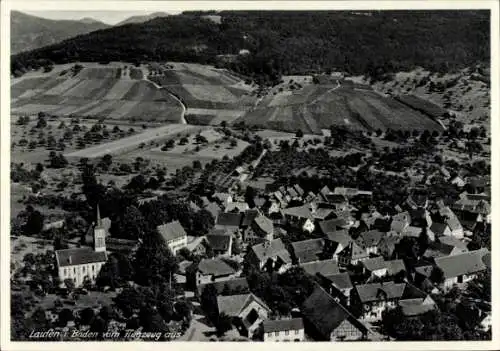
(372, 299)
(339, 285)
(220, 242)
(273, 255)
(461, 268)
(261, 229)
(369, 241)
(325, 267)
(227, 287)
(174, 235)
(300, 217)
(351, 255)
(283, 330)
(212, 270)
(308, 250)
(246, 310)
(327, 320)
(336, 241)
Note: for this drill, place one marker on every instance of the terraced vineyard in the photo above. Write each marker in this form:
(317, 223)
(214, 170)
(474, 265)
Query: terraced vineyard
(95, 91)
(316, 107)
(211, 95)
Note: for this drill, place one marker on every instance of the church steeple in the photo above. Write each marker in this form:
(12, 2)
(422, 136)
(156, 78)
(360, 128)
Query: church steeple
(99, 234)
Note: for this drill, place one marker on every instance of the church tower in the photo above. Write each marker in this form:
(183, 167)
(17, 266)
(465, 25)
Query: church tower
(99, 234)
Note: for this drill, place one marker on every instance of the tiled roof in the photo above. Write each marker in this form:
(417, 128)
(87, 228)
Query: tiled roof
(275, 248)
(232, 305)
(308, 245)
(438, 228)
(229, 219)
(213, 208)
(326, 314)
(370, 238)
(236, 284)
(237, 206)
(466, 263)
(395, 266)
(415, 307)
(282, 325)
(452, 241)
(249, 217)
(83, 255)
(299, 212)
(219, 242)
(353, 251)
(265, 224)
(171, 231)
(322, 213)
(339, 236)
(325, 268)
(215, 267)
(331, 225)
(372, 292)
(375, 263)
(340, 280)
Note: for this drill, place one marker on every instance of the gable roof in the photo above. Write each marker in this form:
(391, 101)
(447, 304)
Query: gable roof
(228, 219)
(395, 266)
(315, 245)
(370, 238)
(452, 241)
(219, 241)
(214, 267)
(326, 314)
(339, 236)
(83, 255)
(240, 206)
(438, 228)
(415, 307)
(282, 325)
(232, 305)
(370, 292)
(298, 189)
(325, 268)
(340, 280)
(213, 208)
(264, 224)
(240, 284)
(274, 248)
(332, 225)
(171, 231)
(300, 212)
(353, 251)
(465, 263)
(249, 216)
(375, 263)
(322, 213)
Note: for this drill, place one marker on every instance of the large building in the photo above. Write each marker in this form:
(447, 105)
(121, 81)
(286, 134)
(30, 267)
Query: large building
(174, 235)
(82, 264)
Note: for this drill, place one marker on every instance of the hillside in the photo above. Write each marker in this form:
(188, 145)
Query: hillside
(113, 91)
(465, 93)
(140, 19)
(298, 103)
(31, 32)
(288, 42)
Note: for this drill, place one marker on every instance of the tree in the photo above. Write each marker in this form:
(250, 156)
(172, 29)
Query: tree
(437, 275)
(224, 323)
(299, 133)
(209, 304)
(86, 316)
(34, 224)
(131, 224)
(154, 263)
(70, 285)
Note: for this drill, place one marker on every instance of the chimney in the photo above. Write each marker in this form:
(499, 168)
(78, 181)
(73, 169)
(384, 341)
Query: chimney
(69, 260)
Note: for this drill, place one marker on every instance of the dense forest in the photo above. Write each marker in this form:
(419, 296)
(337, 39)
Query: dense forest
(287, 42)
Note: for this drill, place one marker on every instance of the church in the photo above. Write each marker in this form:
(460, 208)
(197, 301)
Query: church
(80, 264)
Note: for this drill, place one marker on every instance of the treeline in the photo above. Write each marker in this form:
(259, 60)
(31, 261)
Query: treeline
(287, 42)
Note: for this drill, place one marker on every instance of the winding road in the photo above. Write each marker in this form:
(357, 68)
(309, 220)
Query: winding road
(184, 109)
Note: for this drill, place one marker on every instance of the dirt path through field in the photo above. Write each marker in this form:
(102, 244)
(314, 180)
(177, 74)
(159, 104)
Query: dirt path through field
(145, 77)
(326, 92)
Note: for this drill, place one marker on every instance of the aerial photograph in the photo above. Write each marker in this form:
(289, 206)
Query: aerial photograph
(250, 175)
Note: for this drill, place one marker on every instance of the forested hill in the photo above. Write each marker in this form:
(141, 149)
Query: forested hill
(288, 42)
(30, 32)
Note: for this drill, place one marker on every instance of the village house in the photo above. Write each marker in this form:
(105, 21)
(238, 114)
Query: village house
(271, 255)
(213, 208)
(325, 267)
(387, 245)
(400, 222)
(300, 217)
(338, 285)
(417, 306)
(283, 330)
(220, 242)
(438, 230)
(223, 199)
(197, 245)
(248, 217)
(325, 319)
(232, 286)
(378, 267)
(261, 229)
(83, 264)
(307, 250)
(247, 312)
(237, 207)
(174, 235)
(229, 221)
(445, 247)
(369, 241)
(351, 255)
(373, 298)
(462, 268)
(212, 270)
(458, 181)
(336, 241)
